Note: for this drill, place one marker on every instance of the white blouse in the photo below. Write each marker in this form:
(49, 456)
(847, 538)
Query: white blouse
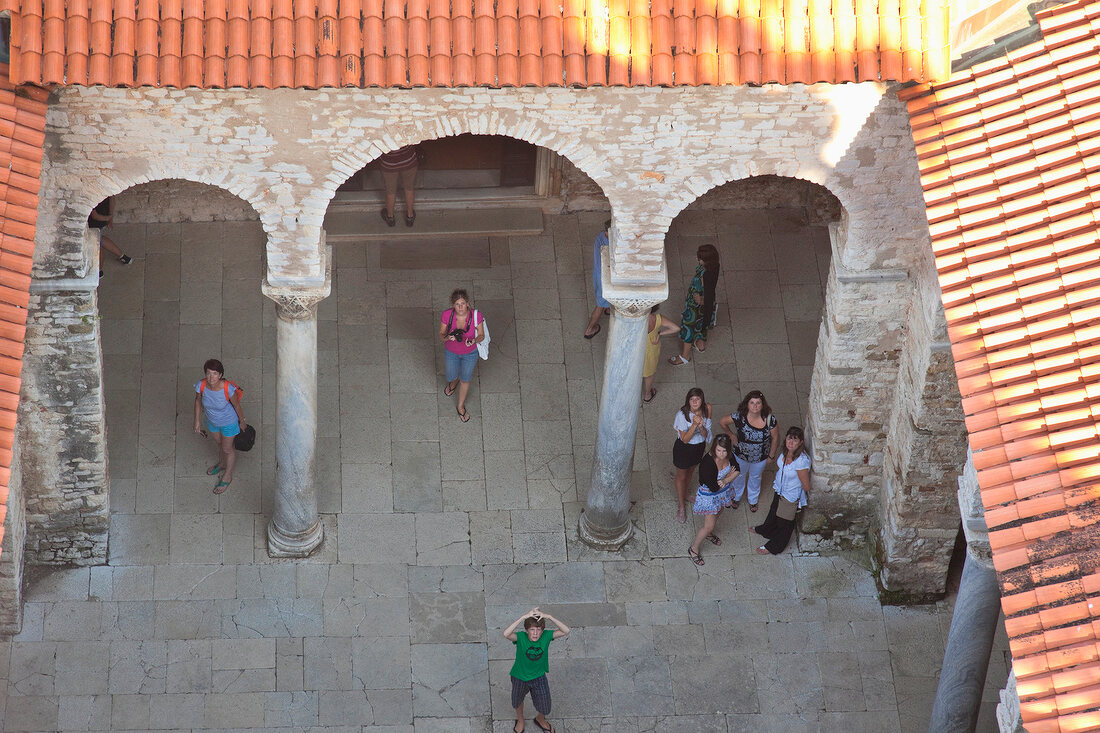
(681, 424)
(787, 483)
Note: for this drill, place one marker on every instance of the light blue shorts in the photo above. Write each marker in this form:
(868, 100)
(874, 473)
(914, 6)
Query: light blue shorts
(227, 431)
(461, 366)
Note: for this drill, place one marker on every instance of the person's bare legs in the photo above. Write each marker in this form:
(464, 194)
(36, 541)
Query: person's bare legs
(647, 386)
(521, 722)
(685, 351)
(409, 179)
(228, 457)
(463, 390)
(683, 478)
(109, 244)
(390, 202)
(594, 320)
(709, 521)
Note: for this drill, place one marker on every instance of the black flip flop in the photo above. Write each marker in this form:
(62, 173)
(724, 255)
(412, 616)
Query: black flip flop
(539, 725)
(652, 394)
(590, 336)
(463, 414)
(388, 218)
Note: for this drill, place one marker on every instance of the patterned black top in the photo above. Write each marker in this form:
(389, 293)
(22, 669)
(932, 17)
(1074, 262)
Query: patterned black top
(753, 444)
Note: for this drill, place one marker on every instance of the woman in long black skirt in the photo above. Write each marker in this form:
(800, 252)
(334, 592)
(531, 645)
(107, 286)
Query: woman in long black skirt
(792, 485)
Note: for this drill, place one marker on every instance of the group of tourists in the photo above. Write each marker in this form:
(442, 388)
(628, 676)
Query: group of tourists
(732, 467)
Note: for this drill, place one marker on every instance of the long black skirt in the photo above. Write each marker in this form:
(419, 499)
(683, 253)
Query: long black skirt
(777, 530)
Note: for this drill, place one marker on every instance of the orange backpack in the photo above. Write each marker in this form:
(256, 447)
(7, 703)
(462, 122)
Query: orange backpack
(225, 385)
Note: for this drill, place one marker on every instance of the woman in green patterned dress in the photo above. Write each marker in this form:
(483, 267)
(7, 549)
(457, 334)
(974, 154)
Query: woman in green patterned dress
(699, 307)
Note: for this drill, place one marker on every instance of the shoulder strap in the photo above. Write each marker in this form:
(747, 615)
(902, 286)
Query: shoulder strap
(226, 384)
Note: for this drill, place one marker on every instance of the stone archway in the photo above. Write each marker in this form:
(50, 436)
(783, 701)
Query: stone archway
(102, 422)
(881, 410)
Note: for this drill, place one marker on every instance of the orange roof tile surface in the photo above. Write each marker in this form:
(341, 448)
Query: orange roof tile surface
(22, 133)
(492, 43)
(1009, 154)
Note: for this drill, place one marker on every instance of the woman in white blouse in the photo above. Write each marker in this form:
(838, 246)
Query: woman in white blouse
(792, 485)
(692, 426)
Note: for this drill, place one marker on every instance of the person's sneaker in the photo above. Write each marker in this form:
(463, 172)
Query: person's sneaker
(125, 259)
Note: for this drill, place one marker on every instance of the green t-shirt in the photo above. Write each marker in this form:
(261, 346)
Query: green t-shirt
(532, 661)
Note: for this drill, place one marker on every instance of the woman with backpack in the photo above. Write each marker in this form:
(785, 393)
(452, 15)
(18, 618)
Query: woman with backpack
(220, 399)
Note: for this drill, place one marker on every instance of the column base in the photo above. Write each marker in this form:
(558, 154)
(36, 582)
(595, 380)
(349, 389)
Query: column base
(602, 538)
(294, 544)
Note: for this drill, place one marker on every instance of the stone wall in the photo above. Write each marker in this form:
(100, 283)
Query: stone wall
(61, 430)
(11, 552)
(918, 516)
(176, 201)
(650, 152)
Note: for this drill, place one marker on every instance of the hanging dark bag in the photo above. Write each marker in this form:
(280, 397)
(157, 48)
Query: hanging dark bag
(245, 439)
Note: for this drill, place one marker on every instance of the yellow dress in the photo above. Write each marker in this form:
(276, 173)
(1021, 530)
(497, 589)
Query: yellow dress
(652, 349)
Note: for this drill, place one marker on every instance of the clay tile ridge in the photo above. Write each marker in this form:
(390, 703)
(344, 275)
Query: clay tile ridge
(312, 43)
(23, 142)
(1014, 246)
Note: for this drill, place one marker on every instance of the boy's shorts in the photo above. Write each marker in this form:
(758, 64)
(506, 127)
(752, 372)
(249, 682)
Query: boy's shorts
(539, 689)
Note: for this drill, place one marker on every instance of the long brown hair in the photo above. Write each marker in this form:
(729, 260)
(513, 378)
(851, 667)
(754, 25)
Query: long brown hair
(708, 253)
(686, 409)
(724, 441)
(743, 408)
(793, 432)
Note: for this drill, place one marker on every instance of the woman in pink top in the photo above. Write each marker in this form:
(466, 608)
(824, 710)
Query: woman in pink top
(460, 337)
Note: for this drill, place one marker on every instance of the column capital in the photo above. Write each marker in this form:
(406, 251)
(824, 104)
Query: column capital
(631, 307)
(296, 304)
(631, 300)
(294, 301)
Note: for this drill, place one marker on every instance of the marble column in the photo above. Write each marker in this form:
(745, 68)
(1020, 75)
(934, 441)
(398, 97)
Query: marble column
(295, 529)
(973, 622)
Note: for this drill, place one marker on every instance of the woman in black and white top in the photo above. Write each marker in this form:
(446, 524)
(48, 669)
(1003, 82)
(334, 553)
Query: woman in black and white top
(692, 426)
(755, 435)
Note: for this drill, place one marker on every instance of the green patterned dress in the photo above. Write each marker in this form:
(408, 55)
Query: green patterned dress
(693, 326)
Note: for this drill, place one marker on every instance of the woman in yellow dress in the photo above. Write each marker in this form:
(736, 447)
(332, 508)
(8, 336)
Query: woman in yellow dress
(658, 327)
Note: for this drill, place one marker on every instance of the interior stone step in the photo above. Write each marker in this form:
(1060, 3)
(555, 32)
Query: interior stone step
(348, 224)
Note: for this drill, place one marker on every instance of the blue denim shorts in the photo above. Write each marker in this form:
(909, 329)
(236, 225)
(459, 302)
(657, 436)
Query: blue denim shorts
(461, 366)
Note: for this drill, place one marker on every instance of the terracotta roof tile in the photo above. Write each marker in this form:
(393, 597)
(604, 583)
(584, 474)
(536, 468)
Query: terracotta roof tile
(316, 43)
(23, 112)
(1009, 164)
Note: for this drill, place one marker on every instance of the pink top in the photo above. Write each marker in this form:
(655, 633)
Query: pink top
(459, 347)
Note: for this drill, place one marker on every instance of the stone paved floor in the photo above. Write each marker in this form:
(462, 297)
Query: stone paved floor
(439, 533)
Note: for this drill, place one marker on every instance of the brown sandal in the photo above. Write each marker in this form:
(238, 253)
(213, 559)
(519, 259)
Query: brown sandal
(696, 557)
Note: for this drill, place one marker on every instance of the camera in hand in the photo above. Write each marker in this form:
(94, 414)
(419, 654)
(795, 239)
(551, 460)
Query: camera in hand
(459, 334)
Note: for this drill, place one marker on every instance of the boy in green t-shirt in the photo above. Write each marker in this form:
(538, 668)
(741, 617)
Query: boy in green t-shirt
(532, 664)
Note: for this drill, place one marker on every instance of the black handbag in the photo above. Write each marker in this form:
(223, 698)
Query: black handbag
(245, 439)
